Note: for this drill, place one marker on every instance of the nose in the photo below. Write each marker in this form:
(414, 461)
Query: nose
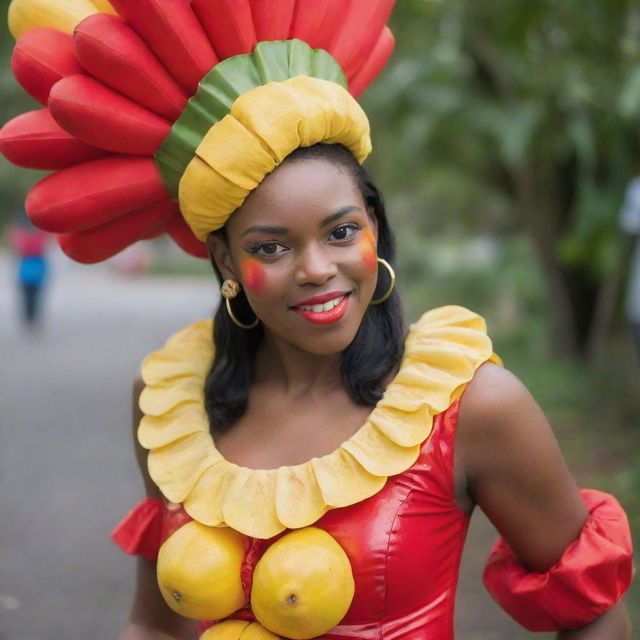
(314, 265)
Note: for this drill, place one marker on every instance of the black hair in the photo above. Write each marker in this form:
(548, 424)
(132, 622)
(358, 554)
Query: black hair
(366, 363)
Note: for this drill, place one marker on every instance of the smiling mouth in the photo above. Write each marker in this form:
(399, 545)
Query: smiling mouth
(325, 313)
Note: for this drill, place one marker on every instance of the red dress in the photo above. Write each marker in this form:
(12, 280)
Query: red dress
(402, 532)
(404, 545)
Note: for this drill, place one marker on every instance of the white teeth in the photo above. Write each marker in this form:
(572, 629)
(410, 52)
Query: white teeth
(327, 306)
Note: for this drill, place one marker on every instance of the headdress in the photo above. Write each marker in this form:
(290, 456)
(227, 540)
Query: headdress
(162, 115)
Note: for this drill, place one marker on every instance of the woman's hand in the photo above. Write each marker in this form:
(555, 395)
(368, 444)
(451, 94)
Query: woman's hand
(613, 625)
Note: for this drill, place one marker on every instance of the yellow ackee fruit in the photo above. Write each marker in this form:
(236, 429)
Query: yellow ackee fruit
(238, 630)
(199, 571)
(303, 585)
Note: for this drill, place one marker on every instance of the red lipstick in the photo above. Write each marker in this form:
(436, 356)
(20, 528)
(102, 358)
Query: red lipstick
(321, 298)
(325, 308)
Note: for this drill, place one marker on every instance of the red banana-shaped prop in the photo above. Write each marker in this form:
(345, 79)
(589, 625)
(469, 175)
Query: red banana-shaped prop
(34, 140)
(272, 18)
(41, 58)
(318, 22)
(172, 31)
(378, 58)
(106, 240)
(93, 193)
(182, 235)
(103, 118)
(307, 20)
(114, 53)
(228, 25)
(359, 31)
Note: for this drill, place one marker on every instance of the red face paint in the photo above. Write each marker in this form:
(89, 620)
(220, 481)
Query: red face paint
(368, 250)
(252, 275)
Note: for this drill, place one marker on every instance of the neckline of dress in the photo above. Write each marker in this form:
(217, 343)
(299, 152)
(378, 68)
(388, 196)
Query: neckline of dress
(442, 351)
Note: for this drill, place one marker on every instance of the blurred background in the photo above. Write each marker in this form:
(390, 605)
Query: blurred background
(505, 140)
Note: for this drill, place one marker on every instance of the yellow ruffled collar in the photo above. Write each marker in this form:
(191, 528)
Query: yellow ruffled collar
(442, 352)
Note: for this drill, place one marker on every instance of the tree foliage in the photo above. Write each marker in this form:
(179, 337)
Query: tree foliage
(504, 115)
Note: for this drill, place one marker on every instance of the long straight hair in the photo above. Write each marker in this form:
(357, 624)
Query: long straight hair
(366, 363)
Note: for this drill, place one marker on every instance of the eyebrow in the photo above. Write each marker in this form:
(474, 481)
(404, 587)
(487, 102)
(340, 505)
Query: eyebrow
(271, 230)
(339, 214)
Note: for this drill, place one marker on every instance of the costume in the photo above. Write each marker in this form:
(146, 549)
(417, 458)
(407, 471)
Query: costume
(147, 138)
(403, 588)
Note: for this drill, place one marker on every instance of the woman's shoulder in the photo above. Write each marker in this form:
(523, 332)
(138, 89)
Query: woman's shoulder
(499, 420)
(492, 395)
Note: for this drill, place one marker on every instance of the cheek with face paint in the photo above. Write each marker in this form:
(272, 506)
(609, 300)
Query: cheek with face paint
(368, 250)
(253, 275)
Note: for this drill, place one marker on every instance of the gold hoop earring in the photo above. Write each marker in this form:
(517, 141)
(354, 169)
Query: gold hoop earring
(229, 290)
(392, 284)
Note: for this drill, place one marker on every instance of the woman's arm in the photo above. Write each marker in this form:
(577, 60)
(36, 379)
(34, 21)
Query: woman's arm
(516, 474)
(151, 618)
(613, 624)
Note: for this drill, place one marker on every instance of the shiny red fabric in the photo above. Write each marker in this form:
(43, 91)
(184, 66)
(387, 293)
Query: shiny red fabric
(593, 573)
(147, 526)
(139, 531)
(404, 545)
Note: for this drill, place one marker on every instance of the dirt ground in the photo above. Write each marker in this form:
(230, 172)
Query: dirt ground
(67, 471)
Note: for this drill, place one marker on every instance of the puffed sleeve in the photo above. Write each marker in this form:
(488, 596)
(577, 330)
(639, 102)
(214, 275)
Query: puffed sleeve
(590, 577)
(139, 532)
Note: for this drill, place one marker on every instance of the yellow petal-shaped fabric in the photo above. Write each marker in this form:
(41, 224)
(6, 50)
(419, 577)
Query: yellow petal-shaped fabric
(343, 480)
(249, 502)
(442, 352)
(162, 367)
(176, 467)
(240, 150)
(158, 431)
(205, 500)
(406, 428)
(161, 398)
(299, 501)
(63, 15)
(378, 454)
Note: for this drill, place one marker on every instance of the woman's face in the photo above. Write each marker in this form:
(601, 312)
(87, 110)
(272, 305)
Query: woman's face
(303, 246)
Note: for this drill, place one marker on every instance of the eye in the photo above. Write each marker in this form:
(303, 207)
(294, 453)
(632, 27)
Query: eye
(344, 231)
(267, 249)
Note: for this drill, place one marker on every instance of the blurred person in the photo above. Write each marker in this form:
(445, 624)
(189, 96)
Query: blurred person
(311, 463)
(30, 246)
(630, 224)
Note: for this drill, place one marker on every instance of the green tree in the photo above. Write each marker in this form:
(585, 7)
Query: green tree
(511, 114)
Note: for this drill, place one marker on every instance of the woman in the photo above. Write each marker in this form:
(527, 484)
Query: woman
(312, 467)
(302, 236)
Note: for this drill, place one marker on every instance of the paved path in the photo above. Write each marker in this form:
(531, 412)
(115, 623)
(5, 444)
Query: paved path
(67, 472)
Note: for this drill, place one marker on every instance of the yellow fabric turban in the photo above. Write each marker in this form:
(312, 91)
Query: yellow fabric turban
(264, 126)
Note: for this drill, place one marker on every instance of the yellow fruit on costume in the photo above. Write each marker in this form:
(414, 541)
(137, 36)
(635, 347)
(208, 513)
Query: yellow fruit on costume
(199, 571)
(303, 585)
(238, 630)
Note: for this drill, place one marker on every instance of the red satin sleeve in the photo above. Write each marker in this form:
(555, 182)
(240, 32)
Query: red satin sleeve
(590, 577)
(143, 530)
